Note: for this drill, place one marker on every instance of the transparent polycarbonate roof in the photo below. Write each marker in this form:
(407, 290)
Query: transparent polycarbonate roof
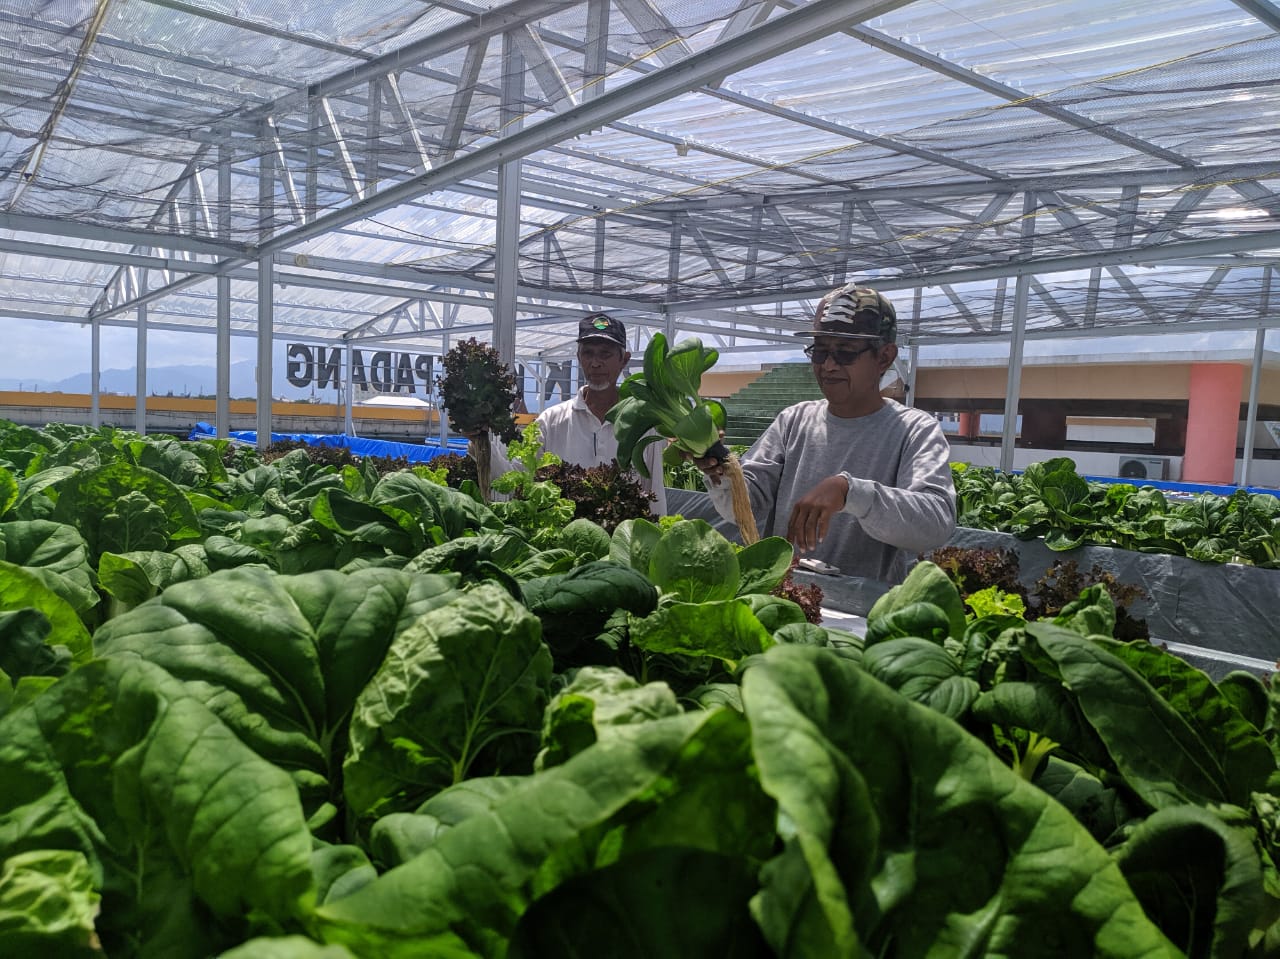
(713, 166)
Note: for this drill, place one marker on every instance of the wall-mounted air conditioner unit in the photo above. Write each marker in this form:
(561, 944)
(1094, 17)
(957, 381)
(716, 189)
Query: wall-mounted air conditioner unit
(1143, 467)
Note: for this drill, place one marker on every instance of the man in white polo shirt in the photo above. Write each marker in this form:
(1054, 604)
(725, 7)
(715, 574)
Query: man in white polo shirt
(575, 429)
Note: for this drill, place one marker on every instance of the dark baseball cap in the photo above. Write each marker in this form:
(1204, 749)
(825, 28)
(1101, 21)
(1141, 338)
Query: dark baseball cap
(855, 312)
(602, 326)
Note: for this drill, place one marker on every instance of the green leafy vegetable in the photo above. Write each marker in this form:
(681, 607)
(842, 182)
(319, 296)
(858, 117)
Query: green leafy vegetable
(664, 397)
(21, 588)
(48, 904)
(892, 850)
(596, 702)
(664, 401)
(665, 787)
(122, 507)
(461, 691)
(694, 563)
(575, 606)
(180, 822)
(282, 659)
(925, 583)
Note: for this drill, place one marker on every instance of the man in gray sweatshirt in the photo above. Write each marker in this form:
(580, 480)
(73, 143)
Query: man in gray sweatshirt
(855, 480)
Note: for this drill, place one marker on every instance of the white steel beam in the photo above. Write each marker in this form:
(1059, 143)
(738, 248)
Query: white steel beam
(265, 338)
(286, 177)
(595, 52)
(85, 254)
(222, 335)
(124, 236)
(339, 145)
(543, 68)
(974, 323)
(95, 374)
(349, 402)
(1186, 205)
(1013, 387)
(1172, 177)
(814, 20)
(460, 106)
(140, 372)
(389, 87)
(506, 264)
(1057, 309)
(1169, 252)
(372, 135)
(1251, 419)
(751, 14)
(654, 29)
(265, 328)
(1266, 12)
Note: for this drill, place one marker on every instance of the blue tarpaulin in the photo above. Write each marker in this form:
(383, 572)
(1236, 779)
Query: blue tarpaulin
(1169, 486)
(358, 446)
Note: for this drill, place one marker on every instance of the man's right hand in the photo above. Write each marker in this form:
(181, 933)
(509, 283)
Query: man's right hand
(711, 467)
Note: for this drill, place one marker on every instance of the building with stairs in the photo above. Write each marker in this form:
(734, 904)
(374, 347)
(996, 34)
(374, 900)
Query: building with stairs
(749, 409)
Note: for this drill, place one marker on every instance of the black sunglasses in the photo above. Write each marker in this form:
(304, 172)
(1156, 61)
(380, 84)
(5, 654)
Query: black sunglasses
(820, 354)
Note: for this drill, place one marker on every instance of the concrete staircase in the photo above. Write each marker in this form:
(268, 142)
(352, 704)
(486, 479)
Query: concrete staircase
(752, 408)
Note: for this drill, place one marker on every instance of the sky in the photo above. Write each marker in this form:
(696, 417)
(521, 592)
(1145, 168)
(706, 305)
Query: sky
(49, 351)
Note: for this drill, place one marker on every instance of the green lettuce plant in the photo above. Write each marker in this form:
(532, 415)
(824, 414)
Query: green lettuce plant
(377, 761)
(536, 507)
(663, 401)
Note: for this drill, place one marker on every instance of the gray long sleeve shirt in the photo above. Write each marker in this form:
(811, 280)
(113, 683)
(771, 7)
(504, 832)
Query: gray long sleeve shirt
(901, 499)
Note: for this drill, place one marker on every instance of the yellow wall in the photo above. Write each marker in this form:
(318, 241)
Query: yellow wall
(724, 384)
(205, 407)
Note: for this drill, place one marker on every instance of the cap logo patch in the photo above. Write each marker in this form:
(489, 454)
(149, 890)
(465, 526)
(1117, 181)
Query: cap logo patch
(600, 323)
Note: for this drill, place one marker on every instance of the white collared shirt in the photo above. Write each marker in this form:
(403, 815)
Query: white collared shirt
(572, 432)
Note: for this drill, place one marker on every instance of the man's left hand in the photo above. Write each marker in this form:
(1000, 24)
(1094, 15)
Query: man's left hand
(811, 516)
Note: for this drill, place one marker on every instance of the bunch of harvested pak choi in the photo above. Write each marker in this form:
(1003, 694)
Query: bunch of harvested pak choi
(479, 392)
(663, 398)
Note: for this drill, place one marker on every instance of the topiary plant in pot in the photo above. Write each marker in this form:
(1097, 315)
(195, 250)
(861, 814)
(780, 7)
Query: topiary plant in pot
(479, 392)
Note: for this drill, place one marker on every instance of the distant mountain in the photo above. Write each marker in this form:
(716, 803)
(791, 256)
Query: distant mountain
(188, 380)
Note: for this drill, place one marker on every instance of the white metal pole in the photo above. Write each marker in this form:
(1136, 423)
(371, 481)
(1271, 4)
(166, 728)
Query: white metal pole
(1014, 384)
(140, 366)
(95, 373)
(444, 416)
(507, 227)
(348, 415)
(1020, 293)
(1259, 348)
(914, 353)
(913, 361)
(266, 321)
(222, 334)
(266, 292)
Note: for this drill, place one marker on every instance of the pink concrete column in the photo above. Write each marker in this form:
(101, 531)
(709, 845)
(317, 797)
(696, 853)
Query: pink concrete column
(1213, 422)
(969, 425)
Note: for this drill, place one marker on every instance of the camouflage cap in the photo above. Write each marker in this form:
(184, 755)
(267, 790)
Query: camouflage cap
(855, 312)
